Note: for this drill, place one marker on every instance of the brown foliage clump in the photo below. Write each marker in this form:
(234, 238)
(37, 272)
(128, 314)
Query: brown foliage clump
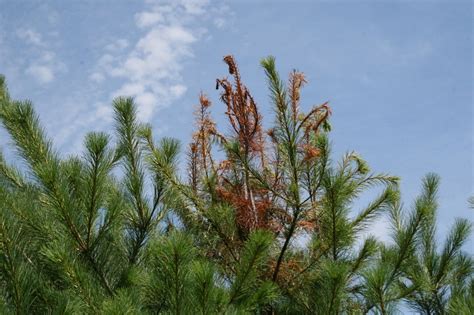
(256, 207)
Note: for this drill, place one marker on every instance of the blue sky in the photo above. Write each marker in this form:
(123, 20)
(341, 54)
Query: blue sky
(398, 74)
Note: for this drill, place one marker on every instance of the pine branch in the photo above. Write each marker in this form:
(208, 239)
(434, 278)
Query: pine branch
(252, 258)
(381, 203)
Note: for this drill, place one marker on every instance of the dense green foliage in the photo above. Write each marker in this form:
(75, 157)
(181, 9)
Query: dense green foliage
(272, 228)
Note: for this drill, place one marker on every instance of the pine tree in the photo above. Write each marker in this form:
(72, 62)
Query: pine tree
(284, 182)
(265, 222)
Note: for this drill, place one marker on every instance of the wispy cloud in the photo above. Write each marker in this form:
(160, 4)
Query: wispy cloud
(30, 36)
(147, 62)
(118, 45)
(152, 69)
(42, 73)
(44, 66)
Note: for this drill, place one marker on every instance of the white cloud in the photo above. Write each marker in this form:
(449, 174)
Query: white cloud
(178, 90)
(223, 16)
(97, 77)
(106, 61)
(152, 68)
(130, 89)
(195, 6)
(43, 74)
(104, 112)
(118, 45)
(219, 22)
(30, 36)
(157, 55)
(147, 64)
(147, 101)
(43, 65)
(145, 19)
(148, 67)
